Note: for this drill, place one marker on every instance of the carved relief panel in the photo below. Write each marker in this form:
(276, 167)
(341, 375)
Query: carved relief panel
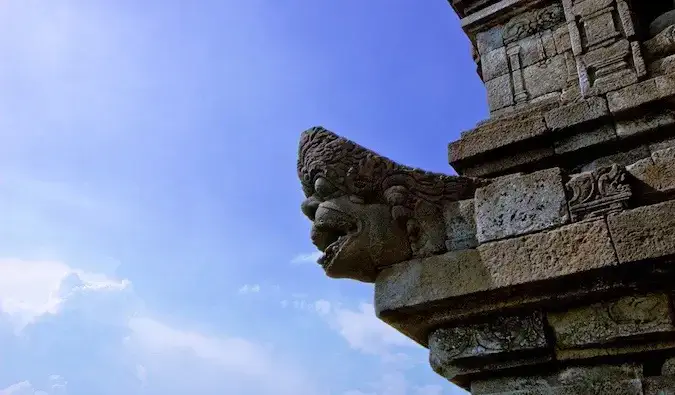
(604, 44)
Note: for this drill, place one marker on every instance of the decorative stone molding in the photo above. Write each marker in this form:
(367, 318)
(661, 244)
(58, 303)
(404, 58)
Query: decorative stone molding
(597, 193)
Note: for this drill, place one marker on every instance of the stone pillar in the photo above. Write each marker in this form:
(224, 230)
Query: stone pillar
(546, 266)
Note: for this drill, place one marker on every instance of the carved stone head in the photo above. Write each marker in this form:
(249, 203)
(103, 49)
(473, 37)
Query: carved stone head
(369, 212)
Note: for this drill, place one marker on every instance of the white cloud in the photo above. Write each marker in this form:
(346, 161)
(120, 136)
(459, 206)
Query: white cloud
(22, 388)
(306, 258)
(30, 289)
(365, 332)
(249, 289)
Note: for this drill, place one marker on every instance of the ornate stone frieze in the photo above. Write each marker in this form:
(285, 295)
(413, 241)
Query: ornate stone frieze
(596, 193)
(368, 211)
(502, 335)
(603, 41)
(608, 322)
(532, 22)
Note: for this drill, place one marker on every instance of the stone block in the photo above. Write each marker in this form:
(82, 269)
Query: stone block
(668, 368)
(620, 158)
(531, 50)
(657, 173)
(662, 45)
(490, 39)
(661, 23)
(596, 380)
(585, 139)
(504, 334)
(494, 64)
(659, 385)
(500, 92)
(482, 139)
(644, 233)
(546, 77)
(662, 66)
(460, 225)
(521, 205)
(505, 163)
(576, 113)
(454, 349)
(608, 322)
(646, 123)
(661, 145)
(562, 39)
(571, 249)
(596, 193)
(648, 91)
(418, 282)
(612, 351)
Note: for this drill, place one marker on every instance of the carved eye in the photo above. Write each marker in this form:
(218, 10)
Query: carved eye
(324, 188)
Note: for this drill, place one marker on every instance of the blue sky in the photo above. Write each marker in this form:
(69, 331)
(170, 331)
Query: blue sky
(151, 238)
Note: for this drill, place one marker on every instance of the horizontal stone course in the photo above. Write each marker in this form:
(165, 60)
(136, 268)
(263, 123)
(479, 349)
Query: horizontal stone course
(644, 233)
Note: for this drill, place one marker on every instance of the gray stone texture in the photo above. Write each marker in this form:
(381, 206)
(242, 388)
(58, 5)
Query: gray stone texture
(656, 173)
(460, 225)
(648, 91)
(661, 23)
(494, 64)
(659, 385)
(500, 92)
(608, 322)
(596, 380)
(497, 134)
(489, 40)
(643, 233)
(521, 205)
(645, 123)
(545, 77)
(662, 45)
(585, 138)
(488, 168)
(576, 113)
(571, 249)
(419, 282)
(620, 158)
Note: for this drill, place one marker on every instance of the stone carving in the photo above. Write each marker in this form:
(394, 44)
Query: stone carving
(502, 335)
(604, 323)
(368, 211)
(596, 193)
(531, 22)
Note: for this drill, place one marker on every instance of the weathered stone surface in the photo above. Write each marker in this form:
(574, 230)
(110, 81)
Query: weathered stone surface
(649, 121)
(612, 351)
(460, 225)
(654, 89)
(661, 23)
(488, 168)
(663, 44)
(655, 174)
(662, 66)
(521, 205)
(545, 77)
(465, 349)
(659, 385)
(604, 379)
(567, 250)
(643, 233)
(490, 39)
(596, 193)
(494, 64)
(608, 322)
(419, 282)
(482, 139)
(576, 113)
(661, 145)
(500, 92)
(500, 335)
(620, 158)
(668, 368)
(585, 138)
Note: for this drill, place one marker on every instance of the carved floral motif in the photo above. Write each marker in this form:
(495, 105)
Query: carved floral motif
(597, 193)
(531, 22)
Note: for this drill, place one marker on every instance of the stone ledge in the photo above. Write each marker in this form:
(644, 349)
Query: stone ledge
(644, 233)
(576, 113)
(545, 255)
(423, 281)
(657, 88)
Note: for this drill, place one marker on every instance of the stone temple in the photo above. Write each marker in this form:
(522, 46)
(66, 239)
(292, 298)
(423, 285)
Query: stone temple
(548, 265)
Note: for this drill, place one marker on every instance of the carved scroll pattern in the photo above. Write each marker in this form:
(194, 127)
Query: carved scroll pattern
(597, 193)
(504, 334)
